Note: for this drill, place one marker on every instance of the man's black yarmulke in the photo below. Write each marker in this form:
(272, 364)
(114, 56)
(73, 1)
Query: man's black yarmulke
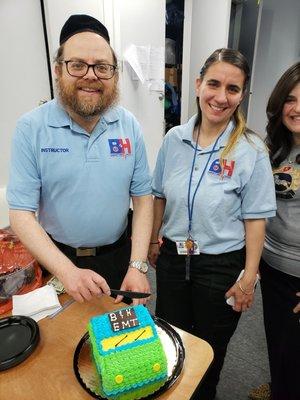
(82, 23)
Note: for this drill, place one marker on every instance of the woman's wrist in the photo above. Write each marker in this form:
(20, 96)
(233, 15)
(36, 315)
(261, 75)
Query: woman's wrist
(246, 289)
(247, 282)
(250, 276)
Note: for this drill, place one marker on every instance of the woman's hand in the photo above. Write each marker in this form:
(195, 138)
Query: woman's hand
(243, 293)
(153, 253)
(297, 308)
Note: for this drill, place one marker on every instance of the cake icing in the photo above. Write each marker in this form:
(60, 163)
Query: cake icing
(127, 353)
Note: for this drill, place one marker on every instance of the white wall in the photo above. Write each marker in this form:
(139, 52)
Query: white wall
(22, 84)
(206, 29)
(278, 48)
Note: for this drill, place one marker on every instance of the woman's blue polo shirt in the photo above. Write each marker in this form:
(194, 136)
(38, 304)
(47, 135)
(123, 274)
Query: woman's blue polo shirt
(222, 203)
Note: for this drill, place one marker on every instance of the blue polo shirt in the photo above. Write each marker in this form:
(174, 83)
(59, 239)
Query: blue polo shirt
(80, 184)
(245, 191)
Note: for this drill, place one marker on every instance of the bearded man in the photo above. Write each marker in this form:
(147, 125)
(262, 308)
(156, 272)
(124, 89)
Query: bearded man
(76, 163)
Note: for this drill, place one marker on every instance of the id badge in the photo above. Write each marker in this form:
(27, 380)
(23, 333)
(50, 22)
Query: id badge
(182, 248)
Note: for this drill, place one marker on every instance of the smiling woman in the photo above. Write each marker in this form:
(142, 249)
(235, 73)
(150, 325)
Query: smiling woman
(291, 113)
(213, 227)
(220, 91)
(280, 264)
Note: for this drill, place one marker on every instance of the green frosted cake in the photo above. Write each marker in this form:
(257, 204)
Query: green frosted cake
(127, 353)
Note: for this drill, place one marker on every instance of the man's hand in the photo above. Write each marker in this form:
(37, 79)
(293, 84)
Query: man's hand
(135, 281)
(83, 284)
(297, 308)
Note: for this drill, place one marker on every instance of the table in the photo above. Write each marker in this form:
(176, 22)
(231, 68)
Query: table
(48, 373)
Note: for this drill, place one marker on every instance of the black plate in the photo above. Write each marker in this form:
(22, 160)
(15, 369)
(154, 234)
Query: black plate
(19, 336)
(86, 375)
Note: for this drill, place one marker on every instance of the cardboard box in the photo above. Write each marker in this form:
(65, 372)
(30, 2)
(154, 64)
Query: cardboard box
(171, 76)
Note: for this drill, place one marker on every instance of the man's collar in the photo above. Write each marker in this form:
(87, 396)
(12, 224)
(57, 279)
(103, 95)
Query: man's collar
(111, 115)
(58, 117)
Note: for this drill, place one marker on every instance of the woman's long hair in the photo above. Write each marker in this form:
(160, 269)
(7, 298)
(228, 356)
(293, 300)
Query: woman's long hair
(235, 58)
(279, 138)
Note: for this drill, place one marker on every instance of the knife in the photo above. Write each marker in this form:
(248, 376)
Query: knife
(63, 307)
(131, 295)
(126, 293)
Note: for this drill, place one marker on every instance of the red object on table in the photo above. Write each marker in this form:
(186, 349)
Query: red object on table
(13, 258)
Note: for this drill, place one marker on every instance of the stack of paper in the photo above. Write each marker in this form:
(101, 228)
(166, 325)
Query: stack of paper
(37, 304)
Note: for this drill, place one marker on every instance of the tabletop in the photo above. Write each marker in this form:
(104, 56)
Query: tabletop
(48, 373)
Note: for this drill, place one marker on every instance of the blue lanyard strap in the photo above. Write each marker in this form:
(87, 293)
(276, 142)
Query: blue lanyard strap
(191, 204)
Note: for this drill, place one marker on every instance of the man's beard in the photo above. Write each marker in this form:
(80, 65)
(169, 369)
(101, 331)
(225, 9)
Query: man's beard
(68, 95)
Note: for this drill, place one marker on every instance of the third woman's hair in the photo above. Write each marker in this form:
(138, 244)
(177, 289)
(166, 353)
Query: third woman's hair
(235, 58)
(279, 139)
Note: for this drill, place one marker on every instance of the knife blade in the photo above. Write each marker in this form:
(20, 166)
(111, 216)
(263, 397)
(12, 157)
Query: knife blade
(126, 293)
(131, 295)
(63, 307)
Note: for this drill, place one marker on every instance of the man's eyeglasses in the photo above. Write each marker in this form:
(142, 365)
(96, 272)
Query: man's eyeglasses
(79, 69)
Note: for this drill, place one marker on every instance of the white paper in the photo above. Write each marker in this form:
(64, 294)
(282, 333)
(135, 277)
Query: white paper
(156, 63)
(147, 63)
(37, 304)
(157, 86)
(137, 57)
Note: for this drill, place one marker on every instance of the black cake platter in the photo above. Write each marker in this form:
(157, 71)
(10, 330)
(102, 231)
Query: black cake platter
(86, 373)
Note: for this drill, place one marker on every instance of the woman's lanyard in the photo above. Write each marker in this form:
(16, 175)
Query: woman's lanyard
(189, 244)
